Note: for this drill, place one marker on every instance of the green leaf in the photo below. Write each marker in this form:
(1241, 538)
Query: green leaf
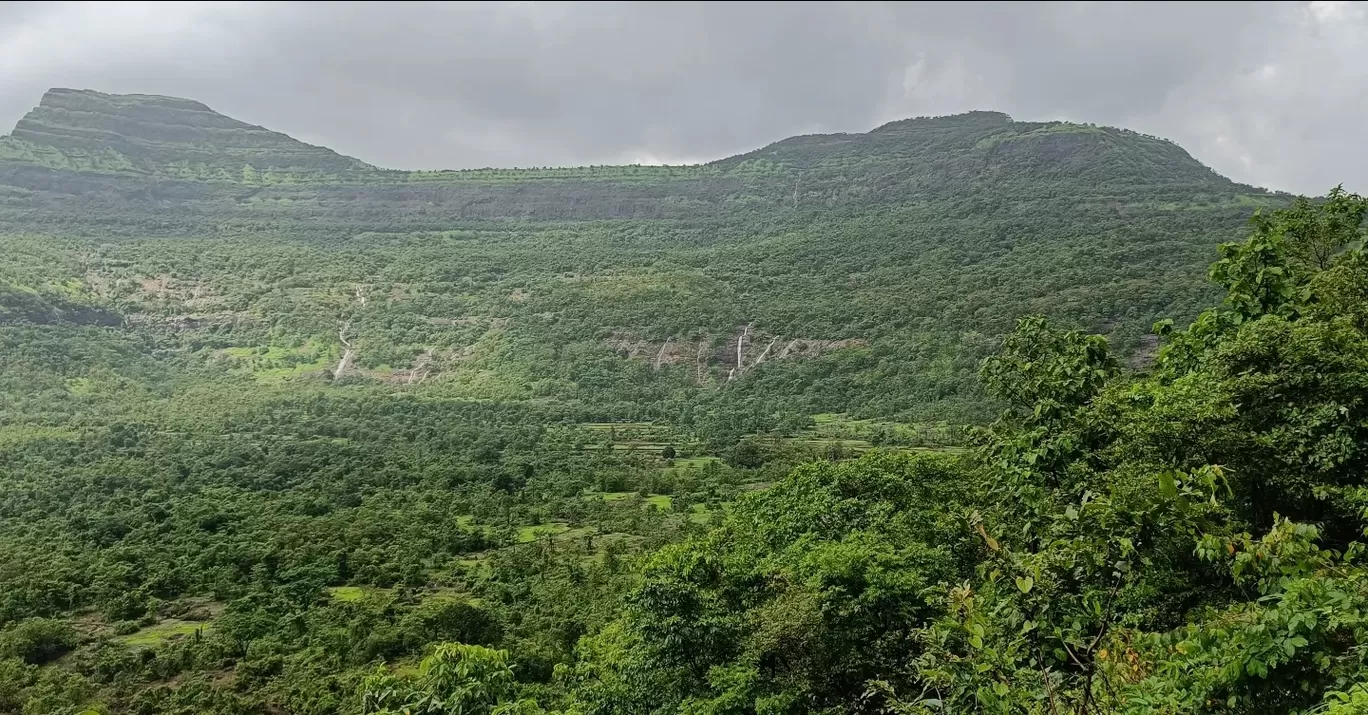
(1167, 486)
(1025, 583)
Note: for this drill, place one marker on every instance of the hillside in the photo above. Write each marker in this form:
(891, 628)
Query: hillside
(151, 135)
(130, 153)
(862, 272)
(285, 433)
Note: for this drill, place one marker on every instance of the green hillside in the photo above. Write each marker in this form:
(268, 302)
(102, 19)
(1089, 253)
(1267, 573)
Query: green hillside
(283, 432)
(859, 273)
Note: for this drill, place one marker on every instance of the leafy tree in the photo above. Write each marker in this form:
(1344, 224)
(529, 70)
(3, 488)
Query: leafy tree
(457, 679)
(806, 593)
(37, 640)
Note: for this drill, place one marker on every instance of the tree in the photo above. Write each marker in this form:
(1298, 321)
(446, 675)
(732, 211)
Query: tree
(37, 640)
(747, 454)
(805, 594)
(457, 679)
(1118, 572)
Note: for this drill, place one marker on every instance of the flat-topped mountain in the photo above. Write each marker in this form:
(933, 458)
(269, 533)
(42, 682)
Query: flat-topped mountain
(152, 134)
(991, 147)
(83, 146)
(844, 271)
(83, 130)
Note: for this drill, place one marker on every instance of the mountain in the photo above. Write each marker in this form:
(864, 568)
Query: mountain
(144, 134)
(822, 273)
(122, 153)
(282, 432)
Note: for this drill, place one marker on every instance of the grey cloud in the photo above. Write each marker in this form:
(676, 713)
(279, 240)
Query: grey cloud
(1265, 93)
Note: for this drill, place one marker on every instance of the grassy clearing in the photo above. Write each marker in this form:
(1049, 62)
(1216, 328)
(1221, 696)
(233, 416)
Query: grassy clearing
(167, 630)
(528, 534)
(580, 533)
(275, 362)
(20, 435)
(631, 436)
(617, 426)
(693, 462)
(659, 501)
(833, 430)
(347, 594)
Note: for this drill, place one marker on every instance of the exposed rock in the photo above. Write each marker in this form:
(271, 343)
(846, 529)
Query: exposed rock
(710, 356)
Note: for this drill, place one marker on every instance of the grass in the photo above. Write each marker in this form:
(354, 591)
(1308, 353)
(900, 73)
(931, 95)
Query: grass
(579, 533)
(167, 630)
(20, 435)
(694, 462)
(528, 534)
(610, 426)
(659, 501)
(275, 363)
(347, 594)
(834, 429)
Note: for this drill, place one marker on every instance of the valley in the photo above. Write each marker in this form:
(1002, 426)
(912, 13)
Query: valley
(285, 432)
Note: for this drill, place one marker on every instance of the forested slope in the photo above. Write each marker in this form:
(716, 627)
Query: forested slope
(863, 272)
(282, 432)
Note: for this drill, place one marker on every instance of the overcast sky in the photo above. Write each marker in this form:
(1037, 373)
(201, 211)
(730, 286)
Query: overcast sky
(1271, 94)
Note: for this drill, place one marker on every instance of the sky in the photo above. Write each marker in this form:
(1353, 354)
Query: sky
(1271, 94)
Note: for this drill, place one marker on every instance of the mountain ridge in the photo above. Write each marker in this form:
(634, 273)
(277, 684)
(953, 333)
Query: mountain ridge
(318, 438)
(99, 163)
(859, 269)
(122, 120)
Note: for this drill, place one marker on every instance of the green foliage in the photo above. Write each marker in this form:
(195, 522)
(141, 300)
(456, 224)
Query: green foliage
(1092, 600)
(931, 235)
(806, 592)
(37, 640)
(282, 432)
(456, 679)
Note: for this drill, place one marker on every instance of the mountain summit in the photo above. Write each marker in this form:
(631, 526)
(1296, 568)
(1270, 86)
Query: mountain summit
(154, 134)
(85, 130)
(84, 157)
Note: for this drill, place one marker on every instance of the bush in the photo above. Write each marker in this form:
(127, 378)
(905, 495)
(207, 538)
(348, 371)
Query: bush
(37, 640)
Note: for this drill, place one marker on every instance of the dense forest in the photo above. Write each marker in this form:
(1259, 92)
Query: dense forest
(954, 416)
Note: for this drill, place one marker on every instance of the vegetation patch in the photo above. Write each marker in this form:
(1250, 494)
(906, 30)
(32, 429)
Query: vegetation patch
(164, 631)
